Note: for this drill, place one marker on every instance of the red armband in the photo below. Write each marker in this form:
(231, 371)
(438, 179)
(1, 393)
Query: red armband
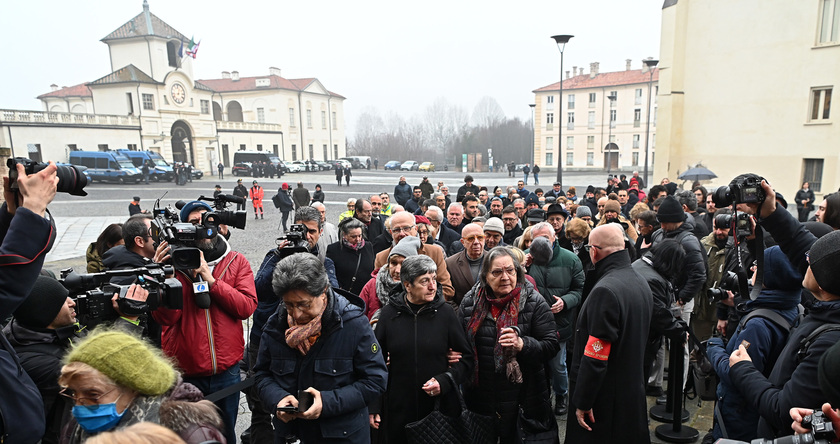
(597, 349)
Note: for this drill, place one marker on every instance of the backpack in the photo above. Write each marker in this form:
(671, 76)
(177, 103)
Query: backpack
(806, 342)
(276, 200)
(21, 406)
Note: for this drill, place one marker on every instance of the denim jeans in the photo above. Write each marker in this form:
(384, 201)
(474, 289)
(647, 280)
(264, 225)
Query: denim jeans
(229, 406)
(559, 375)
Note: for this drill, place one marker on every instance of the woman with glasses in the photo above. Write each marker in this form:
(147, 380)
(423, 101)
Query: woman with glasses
(352, 255)
(416, 330)
(426, 232)
(512, 334)
(115, 380)
(387, 277)
(319, 365)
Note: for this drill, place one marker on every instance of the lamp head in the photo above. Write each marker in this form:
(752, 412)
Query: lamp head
(651, 63)
(562, 39)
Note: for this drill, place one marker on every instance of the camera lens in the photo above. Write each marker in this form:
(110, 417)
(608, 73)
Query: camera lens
(71, 179)
(722, 197)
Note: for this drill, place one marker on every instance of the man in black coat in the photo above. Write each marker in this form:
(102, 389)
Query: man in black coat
(467, 187)
(413, 204)
(242, 192)
(373, 225)
(606, 375)
(804, 202)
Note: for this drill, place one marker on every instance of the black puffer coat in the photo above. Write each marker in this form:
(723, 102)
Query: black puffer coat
(352, 268)
(691, 280)
(495, 395)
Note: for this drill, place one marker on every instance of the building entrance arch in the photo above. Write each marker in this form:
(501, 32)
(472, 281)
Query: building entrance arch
(182, 144)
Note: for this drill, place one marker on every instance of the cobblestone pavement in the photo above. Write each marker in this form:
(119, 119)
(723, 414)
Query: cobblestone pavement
(80, 220)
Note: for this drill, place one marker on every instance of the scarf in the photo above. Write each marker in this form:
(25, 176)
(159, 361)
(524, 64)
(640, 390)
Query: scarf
(384, 285)
(302, 337)
(356, 247)
(505, 311)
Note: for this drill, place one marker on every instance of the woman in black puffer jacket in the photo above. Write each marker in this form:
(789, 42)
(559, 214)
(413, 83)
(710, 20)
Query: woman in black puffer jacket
(512, 332)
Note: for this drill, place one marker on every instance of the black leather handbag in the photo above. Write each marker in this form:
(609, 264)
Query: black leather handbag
(467, 428)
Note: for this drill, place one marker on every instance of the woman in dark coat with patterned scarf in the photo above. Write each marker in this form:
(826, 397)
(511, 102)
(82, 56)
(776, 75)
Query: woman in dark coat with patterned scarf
(512, 332)
(352, 255)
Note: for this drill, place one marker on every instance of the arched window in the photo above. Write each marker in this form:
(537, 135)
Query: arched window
(172, 47)
(234, 112)
(217, 111)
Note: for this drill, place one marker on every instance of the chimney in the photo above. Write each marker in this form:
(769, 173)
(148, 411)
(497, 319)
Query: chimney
(567, 74)
(645, 68)
(274, 71)
(54, 87)
(593, 69)
(574, 71)
(234, 75)
(627, 68)
(225, 75)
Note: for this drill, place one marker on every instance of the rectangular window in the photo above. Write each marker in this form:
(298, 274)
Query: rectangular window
(549, 143)
(813, 173)
(335, 151)
(242, 147)
(205, 107)
(612, 138)
(259, 147)
(613, 117)
(655, 93)
(592, 98)
(549, 102)
(570, 158)
(294, 152)
(591, 121)
(638, 96)
(326, 153)
(570, 142)
(653, 141)
(130, 104)
(590, 159)
(149, 102)
(335, 125)
(291, 117)
(323, 120)
(275, 149)
(613, 94)
(131, 146)
(549, 118)
(820, 103)
(830, 21)
(571, 101)
(261, 115)
(654, 116)
(72, 147)
(549, 159)
(590, 142)
(311, 151)
(636, 138)
(103, 147)
(309, 118)
(570, 121)
(637, 118)
(635, 158)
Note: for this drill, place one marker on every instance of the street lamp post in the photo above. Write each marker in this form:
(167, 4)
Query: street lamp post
(561, 45)
(612, 98)
(651, 64)
(533, 125)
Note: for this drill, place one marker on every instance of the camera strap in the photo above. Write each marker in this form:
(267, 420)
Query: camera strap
(758, 285)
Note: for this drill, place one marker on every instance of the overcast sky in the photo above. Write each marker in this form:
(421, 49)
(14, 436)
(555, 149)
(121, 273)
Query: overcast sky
(390, 55)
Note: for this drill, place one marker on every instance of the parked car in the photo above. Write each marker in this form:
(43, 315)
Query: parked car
(259, 156)
(195, 172)
(426, 166)
(519, 166)
(341, 163)
(409, 165)
(393, 165)
(241, 169)
(295, 167)
(323, 166)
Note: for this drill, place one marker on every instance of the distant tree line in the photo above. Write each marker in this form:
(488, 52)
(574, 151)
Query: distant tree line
(442, 134)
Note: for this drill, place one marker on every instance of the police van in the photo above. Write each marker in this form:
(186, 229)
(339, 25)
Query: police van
(159, 168)
(106, 166)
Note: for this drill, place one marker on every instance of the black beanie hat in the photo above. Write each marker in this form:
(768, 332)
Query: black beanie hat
(824, 257)
(827, 371)
(670, 211)
(42, 305)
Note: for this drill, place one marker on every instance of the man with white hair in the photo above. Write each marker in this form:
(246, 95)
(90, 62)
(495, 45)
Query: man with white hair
(455, 217)
(612, 328)
(403, 224)
(329, 234)
(443, 234)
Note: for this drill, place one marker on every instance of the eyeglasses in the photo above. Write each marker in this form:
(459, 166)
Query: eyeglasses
(589, 247)
(300, 306)
(397, 230)
(510, 271)
(422, 232)
(474, 237)
(70, 393)
(509, 219)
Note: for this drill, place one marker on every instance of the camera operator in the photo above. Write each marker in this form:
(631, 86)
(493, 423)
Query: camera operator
(27, 233)
(313, 222)
(44, 328)
(792, 381)
(208, 343)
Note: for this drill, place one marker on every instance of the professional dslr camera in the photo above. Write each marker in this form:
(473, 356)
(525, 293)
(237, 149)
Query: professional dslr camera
(234, 219)
(728, 282)
(71, 179)
(745, 188)
(296, 236)
(822, 432)
(93, 292)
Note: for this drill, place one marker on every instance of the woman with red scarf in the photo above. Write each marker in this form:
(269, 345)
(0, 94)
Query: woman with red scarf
(511, 330)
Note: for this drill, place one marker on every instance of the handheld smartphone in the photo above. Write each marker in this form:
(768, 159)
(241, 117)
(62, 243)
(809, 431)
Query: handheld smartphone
(305, 401)
(288, 409)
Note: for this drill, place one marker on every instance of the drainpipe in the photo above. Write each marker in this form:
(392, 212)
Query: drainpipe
(300, 112)
(329, 119)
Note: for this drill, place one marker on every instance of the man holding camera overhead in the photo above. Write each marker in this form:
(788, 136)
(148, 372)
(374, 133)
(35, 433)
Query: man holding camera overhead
(205, 337)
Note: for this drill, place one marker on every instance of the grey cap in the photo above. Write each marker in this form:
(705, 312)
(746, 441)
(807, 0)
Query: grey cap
(583, 211)
(407, 247)
(494, 224)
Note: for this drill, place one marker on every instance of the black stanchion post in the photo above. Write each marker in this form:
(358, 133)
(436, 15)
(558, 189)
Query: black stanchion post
(664, 413)
(675, 432)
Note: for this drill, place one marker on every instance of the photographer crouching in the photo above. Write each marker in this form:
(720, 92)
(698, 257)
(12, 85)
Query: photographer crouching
(205, 337)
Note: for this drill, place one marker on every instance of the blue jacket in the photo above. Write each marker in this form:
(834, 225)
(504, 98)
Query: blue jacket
(402, 192)
(765, 338)
(267, 301)
(345, 364)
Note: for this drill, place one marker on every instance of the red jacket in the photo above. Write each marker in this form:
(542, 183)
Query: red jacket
(209, 341)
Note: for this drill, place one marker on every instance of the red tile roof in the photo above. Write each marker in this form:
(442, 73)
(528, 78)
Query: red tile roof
(250, 84)
(80, 90)
(602, 79)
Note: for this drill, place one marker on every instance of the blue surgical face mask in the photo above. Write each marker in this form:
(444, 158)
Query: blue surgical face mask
(97, 418)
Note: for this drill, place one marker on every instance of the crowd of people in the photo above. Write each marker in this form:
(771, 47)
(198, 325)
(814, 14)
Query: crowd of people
(540, 309)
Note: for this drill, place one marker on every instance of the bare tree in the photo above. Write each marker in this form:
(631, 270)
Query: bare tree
(444, 123)
(487, 113)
